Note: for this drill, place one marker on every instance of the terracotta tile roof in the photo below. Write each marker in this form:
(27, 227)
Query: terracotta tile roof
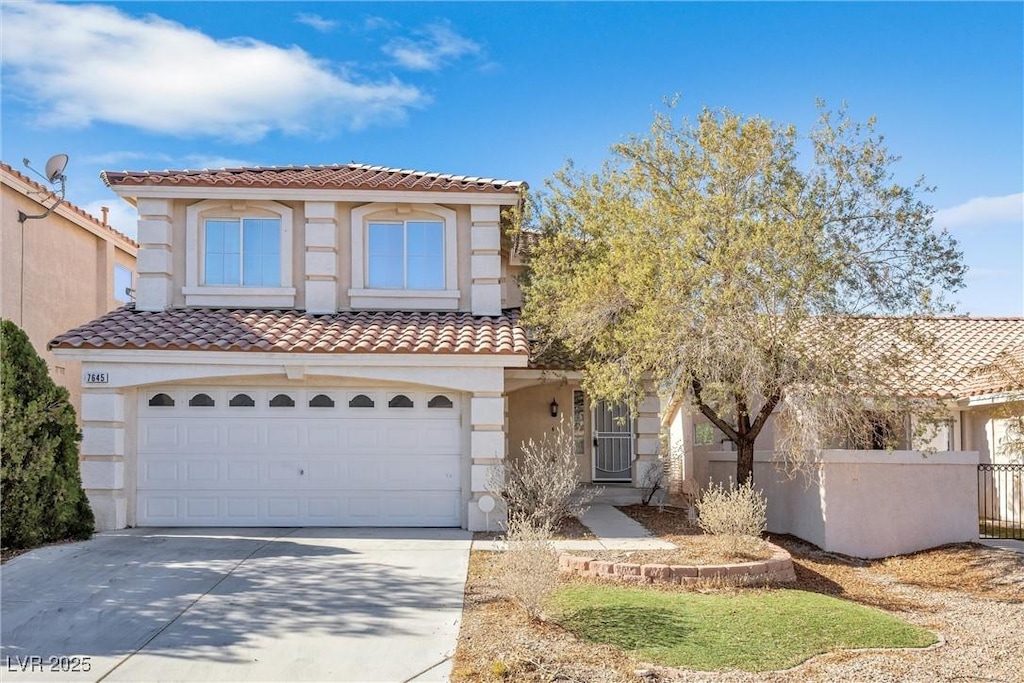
(46, 191)
(963, 346)
(294, 331)
(960, 365)
(553, 356)
(335, 177)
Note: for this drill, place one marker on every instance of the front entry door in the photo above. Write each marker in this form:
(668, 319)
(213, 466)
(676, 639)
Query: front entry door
(613, 442)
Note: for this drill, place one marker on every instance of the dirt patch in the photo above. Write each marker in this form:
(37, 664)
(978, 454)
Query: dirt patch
(10, 553)
(498, 642)
(966, 567)
(692, 550)
(694, 547)
(568, 529)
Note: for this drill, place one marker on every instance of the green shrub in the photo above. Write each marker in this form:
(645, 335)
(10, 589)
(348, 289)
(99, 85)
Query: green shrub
(41, 496)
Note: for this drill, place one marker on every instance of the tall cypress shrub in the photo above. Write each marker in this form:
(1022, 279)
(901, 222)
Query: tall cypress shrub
(41, 496)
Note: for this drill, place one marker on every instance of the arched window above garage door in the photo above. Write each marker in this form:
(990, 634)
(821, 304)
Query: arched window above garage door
(361, 401)
(161, 401)
(282, 401)
(440, 401)
(201, 401)
(400, 401)
(242, 401)
(321, 401)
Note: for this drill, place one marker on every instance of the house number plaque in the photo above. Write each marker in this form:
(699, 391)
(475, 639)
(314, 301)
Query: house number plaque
(97, 377)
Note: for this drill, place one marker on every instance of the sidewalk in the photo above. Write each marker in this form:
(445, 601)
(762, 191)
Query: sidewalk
(614, 531)
(1004, 543)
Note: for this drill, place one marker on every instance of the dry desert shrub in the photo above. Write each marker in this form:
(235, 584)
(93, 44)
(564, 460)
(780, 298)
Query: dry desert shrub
(738, 514)
(541, 485)
(527, 570)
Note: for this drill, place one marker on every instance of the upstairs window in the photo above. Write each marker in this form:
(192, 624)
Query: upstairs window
(406, 255)
(242, 252)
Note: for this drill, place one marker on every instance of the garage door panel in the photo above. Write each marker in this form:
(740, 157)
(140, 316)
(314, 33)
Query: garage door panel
(244, 472)
(202, 435)
(283, 435)
(431, 473)
(298, 466)
(242, 509)
(361, 474)
(158, 436)
(157, 473)
(361, 438)
(242, 436)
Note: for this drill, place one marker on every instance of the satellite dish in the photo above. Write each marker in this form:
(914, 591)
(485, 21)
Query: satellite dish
(55, 167)
(486, 504)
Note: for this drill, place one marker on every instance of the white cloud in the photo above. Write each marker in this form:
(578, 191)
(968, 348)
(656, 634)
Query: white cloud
(316, 22)
(100, 64)
(983, 212)
(122, 216)
(435, 46)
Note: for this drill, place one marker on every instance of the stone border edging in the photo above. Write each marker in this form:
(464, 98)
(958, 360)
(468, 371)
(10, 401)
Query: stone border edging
(777, 569)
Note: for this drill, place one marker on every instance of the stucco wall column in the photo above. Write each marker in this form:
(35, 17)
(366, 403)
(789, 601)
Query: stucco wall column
(648, 441)
(153, 288)
(486, 260)
(103, 456)
(321, 257)
(487, 452)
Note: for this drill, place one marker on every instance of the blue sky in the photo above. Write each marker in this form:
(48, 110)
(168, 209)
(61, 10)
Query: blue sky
(513, 90)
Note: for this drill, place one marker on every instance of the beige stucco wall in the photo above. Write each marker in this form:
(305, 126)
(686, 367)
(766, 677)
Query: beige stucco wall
(530, 418)
(68, 277)
(343, 263)
(869, 503)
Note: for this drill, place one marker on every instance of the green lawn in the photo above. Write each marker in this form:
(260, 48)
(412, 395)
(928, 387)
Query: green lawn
(754, 631)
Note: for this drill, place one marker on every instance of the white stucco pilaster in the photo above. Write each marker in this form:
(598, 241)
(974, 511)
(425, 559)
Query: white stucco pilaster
(321, 257)
(103, 456)
(153, 285)
(485, 263)
(487, 453)
(648, 439)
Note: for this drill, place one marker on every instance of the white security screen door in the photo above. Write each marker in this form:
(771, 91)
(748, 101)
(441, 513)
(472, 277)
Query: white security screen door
(613, 442)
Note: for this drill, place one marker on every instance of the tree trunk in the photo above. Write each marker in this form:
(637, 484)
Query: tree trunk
(744, 461)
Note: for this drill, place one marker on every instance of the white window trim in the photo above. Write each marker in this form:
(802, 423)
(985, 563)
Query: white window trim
(198, 294)
(362, 296)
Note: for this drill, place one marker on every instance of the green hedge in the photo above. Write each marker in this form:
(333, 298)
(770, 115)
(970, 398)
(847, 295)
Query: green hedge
(41, 497)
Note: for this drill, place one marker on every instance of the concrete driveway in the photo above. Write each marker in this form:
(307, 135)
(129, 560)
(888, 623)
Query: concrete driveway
(236, 605)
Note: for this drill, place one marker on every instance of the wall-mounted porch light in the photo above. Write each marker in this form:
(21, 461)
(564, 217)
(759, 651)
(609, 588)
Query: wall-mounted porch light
(554, 408)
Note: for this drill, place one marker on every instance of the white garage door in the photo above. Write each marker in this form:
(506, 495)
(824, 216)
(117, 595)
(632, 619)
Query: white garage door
(284, 457)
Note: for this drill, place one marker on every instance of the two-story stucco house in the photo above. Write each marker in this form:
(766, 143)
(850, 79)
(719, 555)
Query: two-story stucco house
(59, 270)
(334, 345)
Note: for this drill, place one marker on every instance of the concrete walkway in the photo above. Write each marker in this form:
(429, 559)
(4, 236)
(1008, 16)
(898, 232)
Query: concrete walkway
(1004, 543)
(614, 530)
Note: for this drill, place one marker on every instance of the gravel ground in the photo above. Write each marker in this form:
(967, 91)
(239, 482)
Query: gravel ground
(971, 595)
(984, 636)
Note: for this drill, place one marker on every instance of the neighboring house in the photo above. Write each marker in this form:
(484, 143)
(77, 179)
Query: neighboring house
(335, 345)
(937, 496)
(58, 271)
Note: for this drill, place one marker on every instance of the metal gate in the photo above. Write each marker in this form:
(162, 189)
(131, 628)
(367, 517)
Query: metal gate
(1001, 500)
